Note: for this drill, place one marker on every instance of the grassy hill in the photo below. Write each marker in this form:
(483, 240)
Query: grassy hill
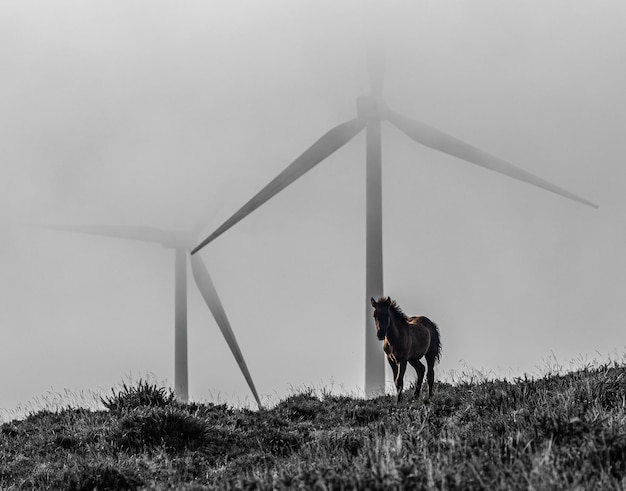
(556, 432)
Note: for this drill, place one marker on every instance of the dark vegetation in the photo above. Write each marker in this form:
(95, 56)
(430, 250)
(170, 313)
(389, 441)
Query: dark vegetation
(557, 432)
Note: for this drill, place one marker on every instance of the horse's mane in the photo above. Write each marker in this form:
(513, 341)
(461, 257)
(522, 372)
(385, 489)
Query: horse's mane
(394, 308)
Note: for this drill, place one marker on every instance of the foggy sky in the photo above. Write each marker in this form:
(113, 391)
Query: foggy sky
(163, 114)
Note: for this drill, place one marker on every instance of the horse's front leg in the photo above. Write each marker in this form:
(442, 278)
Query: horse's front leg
(394, 368)
(399, 378)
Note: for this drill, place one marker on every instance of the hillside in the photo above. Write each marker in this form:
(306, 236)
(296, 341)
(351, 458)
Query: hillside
(557, 432)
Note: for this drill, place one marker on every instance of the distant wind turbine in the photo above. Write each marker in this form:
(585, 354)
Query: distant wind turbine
(371, 110)
(181, 243)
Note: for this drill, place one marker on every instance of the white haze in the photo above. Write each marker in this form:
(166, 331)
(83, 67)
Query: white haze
(165, 114)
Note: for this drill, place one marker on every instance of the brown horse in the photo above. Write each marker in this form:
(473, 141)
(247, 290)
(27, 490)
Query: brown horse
(407, 339)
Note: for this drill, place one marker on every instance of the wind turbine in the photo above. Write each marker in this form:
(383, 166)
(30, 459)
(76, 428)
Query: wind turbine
(371, 111)
(180, 242)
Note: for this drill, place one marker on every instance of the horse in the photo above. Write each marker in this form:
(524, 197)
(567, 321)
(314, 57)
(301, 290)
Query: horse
(407, 339)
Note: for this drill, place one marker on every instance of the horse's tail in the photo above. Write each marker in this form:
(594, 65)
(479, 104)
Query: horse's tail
(434, 350)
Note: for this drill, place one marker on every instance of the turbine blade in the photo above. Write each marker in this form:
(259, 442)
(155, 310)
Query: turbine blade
(433, 138)
(209, 293)
(322, 148)
(146, 234)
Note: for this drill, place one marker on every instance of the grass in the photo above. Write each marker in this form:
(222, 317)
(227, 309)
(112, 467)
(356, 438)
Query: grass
(564, 431)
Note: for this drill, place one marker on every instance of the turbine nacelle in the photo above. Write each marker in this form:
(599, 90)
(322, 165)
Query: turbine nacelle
(370, 107)
(180, 240)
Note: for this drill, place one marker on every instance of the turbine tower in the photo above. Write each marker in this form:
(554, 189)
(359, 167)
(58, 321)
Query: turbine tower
(371, 111)
(180, 242)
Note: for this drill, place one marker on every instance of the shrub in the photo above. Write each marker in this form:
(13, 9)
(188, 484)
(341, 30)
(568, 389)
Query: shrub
(143, 395)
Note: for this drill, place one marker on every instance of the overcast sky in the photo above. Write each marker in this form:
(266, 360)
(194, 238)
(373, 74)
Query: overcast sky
(168, 113)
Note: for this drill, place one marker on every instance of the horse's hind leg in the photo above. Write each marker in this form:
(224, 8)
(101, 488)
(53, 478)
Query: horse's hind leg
(420, 369)
(431, 375)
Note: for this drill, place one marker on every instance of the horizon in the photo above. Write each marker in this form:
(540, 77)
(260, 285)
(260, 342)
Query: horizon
(56, 400)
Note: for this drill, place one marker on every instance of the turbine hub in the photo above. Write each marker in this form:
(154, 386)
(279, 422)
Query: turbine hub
(371, 107)
(179, 240)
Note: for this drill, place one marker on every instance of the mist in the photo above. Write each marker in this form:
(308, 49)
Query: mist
(170, 115)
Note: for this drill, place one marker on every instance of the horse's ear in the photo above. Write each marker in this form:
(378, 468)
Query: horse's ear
(388, 301)
(373, 302)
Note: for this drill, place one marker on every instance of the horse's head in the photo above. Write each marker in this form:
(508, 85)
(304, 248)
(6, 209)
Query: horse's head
(382, 315)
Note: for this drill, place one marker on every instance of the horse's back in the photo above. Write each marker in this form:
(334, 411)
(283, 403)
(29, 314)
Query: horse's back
(421, 320)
